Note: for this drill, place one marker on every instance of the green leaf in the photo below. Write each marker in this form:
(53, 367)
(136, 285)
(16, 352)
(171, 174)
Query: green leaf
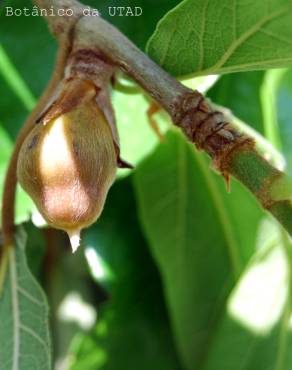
(201, 37)
(255, 323)
(24, 333)
(198, 238)
(240, 92)
(132, 329)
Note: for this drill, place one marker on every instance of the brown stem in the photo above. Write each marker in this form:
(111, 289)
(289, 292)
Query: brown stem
(209, 129)
(10, 183)
(95, 33)
(61, 24)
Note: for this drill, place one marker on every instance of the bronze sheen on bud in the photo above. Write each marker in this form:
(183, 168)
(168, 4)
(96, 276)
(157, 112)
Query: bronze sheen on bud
(67, 167)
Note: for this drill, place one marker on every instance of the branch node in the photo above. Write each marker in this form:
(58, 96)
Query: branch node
(209, 130)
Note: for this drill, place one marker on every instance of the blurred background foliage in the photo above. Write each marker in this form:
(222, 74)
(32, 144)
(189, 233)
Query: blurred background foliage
(178, 273)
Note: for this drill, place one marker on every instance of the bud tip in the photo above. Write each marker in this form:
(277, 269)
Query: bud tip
(74, 236)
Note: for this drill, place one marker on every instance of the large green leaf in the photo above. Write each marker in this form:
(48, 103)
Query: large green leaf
(198, 237)
(254, 332)
(132, 330)
(24, 333)
(209, 37)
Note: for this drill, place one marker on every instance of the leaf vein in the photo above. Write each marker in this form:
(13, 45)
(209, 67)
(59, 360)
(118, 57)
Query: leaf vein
(246, 35)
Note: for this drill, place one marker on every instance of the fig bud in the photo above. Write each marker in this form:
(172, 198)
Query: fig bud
(67, 167)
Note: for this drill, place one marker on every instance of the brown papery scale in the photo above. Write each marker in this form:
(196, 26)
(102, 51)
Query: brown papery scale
(68, 161)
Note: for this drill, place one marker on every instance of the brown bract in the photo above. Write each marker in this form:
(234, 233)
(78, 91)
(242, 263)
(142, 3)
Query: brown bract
(68, 164)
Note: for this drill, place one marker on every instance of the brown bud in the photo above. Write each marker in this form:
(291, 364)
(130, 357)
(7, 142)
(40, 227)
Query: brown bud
(67, 167)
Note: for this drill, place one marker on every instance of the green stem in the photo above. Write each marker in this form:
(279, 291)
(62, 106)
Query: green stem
(262, 179)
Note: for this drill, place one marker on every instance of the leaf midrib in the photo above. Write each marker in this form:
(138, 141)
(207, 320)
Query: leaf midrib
(271, 63)
(15, 310)
(223, 217)
(182, 199)
(246, 35)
